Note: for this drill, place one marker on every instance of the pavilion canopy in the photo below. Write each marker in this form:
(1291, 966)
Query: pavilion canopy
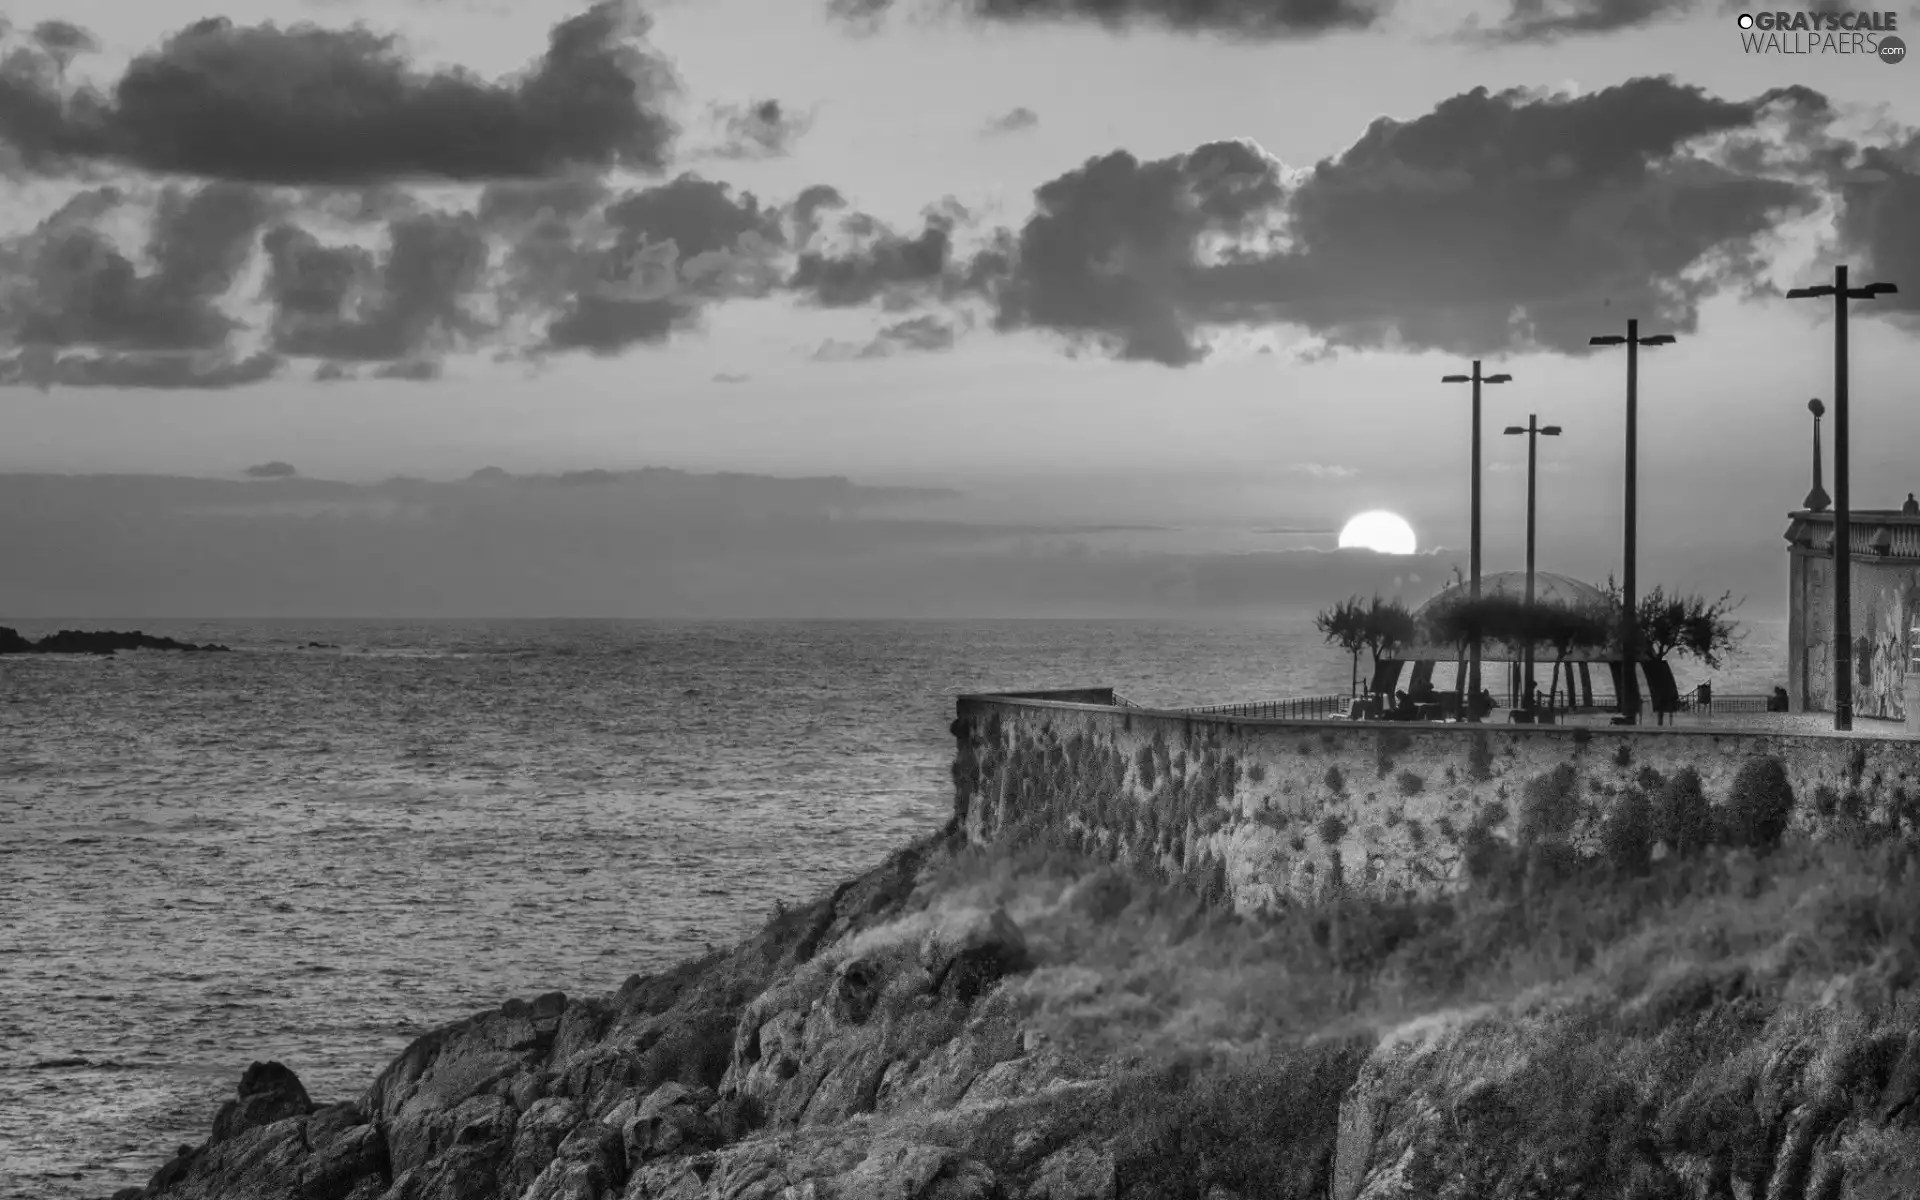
(1548, 588)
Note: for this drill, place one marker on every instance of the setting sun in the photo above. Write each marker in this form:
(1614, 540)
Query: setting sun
(1381, 531)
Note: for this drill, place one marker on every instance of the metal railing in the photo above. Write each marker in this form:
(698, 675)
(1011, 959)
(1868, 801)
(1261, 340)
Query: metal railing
(1691, 703)
(1124, 701)
(1292, 708)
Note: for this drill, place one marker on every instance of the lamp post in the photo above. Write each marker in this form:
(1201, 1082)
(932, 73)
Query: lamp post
(1534, 431)
(1629, 619)
(1817, 499)
(1842, 523)
(1473, 552)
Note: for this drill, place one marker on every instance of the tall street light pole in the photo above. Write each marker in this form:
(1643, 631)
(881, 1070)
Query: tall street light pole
(1629, 621)
(1842, 516)
(1534, 431)
(1473, 553)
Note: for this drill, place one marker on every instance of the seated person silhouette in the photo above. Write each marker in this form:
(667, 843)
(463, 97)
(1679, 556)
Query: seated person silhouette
(1402, 707)
(1532, 700)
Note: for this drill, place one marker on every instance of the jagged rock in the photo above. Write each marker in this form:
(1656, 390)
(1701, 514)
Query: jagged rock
(445, 1069)
(590, 1164)
(94, 641)
(537, 1138)
(917, 1172)
(260, 1162)
(268, 1092)
(831, 1041)
(343, 1161)
(1079, 1172)
(671, 1120)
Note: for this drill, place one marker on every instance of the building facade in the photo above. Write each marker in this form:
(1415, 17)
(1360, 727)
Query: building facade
(1886, 596)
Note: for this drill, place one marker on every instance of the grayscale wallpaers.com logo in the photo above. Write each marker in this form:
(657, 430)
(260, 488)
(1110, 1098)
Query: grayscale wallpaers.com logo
(1871, 34)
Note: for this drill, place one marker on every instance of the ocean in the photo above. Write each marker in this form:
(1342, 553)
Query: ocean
(316, 854)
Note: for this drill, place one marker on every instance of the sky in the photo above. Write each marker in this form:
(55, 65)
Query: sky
(1155, 293)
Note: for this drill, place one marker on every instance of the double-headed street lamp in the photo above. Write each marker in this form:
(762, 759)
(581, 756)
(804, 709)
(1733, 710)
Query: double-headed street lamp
(1534, 431)
(1473, 553)
(1842, 523)
(1629, 621)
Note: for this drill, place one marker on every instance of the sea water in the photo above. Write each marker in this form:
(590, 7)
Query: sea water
(315, 853)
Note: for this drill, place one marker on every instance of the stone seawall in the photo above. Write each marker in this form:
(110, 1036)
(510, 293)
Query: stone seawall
(1262, 813)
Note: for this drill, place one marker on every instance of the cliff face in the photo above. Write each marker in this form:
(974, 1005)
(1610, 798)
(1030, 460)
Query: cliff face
(971, 1022)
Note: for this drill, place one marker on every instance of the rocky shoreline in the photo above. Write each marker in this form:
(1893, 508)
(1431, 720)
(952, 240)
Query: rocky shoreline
(903, 1039)
(95, 641)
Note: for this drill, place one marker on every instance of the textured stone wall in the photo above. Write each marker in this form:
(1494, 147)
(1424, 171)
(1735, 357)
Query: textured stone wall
(1263, 813)
(1883, 606)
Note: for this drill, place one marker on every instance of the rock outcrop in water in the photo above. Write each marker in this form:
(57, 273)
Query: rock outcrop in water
(904, 1039)
(93, 641)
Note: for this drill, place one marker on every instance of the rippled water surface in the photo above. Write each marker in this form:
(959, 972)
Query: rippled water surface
(312, 854)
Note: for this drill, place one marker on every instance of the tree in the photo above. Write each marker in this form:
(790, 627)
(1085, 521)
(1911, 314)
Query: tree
(1688, 624)
(1345, 625)
(1386, 627)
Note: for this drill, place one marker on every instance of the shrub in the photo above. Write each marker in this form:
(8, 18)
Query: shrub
(1649, 780)
(1548, 806)
(1759, 804)
(1332, 828)
(1410, 783)
(1494, 813)
(1581, 736)
(1297, 842)
(1336, 780)
(1257, 773)
(1480, 756)
(1627, 837)
(1447, 830)
(1144, 762)
(1417, 833)
(1623, 755)
(1682, 818)
(1452, 776)
(1826, 801)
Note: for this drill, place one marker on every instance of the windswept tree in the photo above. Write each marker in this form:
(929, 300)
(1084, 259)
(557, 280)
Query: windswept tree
(1688, 624)
(1386, 627)
(1345, 625)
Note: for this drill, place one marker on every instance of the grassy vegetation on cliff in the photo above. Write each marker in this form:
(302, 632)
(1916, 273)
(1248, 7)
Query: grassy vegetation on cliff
(1608, 1020)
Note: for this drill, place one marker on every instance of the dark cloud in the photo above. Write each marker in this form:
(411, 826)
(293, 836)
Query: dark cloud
(1551, 20)
(332, 372)
(45, 368)
(759, 130)
(272, 470)
(1880, 220)
(306, 105)
(1112, 255)
(876, 263)
(1496, 222)
(1012, 122)
(641, 266)
(731, 377)
(1253, 19)
(76, 288)
(343, 302)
